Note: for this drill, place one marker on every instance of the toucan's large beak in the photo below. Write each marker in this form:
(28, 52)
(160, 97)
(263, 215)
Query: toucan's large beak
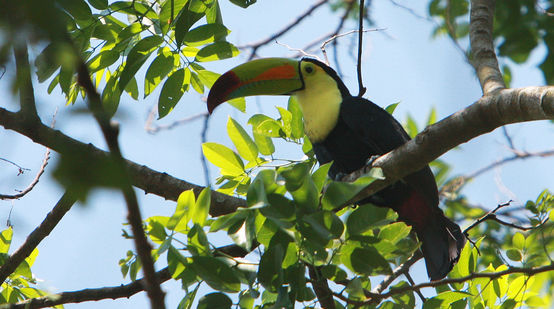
(269, 76)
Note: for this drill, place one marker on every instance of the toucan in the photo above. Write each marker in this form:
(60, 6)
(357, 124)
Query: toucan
(347, 131)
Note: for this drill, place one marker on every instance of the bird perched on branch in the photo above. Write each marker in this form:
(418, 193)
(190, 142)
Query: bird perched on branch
(350, 130)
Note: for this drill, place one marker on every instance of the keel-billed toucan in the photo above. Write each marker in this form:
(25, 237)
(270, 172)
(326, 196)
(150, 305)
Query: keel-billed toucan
(349, 130)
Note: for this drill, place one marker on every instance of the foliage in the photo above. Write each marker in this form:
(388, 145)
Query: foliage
(21, 283)
(520, 27)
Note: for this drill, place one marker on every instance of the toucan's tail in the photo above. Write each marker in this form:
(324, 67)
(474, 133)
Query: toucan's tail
(441, 243)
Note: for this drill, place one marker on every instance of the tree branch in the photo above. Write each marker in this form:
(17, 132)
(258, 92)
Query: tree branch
(321, 288)
(142, 177)
(24, 82)
(110, 132)
(482, 46)
(488, 113)
(287, 28)
(33, 183)
(114, 292)
(38, 234)
(397, 272)
(490, 275)
(361, 88)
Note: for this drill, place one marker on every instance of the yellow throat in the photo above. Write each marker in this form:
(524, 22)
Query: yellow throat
(320, 103)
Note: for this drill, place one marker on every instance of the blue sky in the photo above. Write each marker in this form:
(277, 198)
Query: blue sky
(400, 64)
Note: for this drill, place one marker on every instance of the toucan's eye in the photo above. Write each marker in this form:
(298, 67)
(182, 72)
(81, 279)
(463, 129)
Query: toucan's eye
(309, 69)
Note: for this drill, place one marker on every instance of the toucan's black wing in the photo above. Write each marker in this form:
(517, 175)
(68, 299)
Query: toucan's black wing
(364, 130)
(375, 126)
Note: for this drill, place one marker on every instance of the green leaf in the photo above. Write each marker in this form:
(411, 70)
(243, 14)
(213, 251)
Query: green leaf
(181, 216)
(432, 116)
(299, 183)
(6, 240)
(99, 4)
(320, 175)
(246, 301)
(338, 192)
(136, 58)
(392, 107)
(265, 125)
(518, 240)
(270, 273)
(264, 144)
(364, 260)
(199, 213)
(394, 232)
(286, 119)
(449, 297)
(243, 3)
(189, 15)
(176, 262)
(168, 8)
(79, 9)
(134, 9)
(217, 274)
(158, 70)
(514, 255)
(297, 125)
(130, 31)
(367, 217)
(102, 60)
(197, 241)
(217, 51)
(279, 207)
(224, 158)
(172, 91)
(196, 82)
(215, 301)
(242, 141)
(321, 227)
(205, 34)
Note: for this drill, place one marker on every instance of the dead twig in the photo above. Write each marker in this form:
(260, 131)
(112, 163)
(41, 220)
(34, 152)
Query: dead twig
(255, 46)
(153, 128)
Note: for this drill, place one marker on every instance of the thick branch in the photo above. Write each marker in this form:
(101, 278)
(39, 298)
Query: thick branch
(321, 288)
(120, 291)
(43, 230)
(142, 177)
(482, 46)
(490, 112)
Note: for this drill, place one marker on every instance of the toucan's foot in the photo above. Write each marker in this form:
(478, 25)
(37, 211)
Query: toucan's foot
(339, 176)
(370, 161)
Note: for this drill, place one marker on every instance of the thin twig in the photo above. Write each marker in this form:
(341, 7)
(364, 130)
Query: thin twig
(398, 271)
(254, 46)
(490, 275)
(20, 169)
(153, 128)
(202, 157)
(38, 234)
(113, 292)
(33, 183)
(361, 88)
